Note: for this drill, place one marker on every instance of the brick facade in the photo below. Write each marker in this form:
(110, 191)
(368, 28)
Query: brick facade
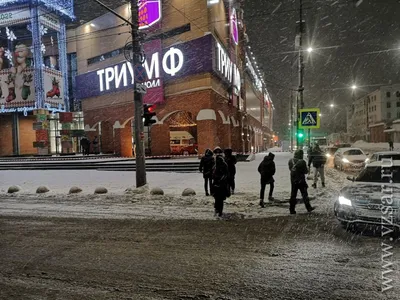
(377, 134)
(210, 133)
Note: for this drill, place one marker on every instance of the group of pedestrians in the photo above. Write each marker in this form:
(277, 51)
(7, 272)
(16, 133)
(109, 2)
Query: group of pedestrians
(299, 169)
(85, 145)
(219, 170)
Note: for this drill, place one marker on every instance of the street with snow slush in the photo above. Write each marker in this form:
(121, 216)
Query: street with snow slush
(301, 257)
(138, 246)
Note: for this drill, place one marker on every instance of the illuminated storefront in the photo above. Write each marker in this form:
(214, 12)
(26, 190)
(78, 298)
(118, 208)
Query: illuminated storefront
(33, 62)
(194, 76)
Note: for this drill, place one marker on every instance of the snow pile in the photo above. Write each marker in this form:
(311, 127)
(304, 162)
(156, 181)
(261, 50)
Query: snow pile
(374, 147)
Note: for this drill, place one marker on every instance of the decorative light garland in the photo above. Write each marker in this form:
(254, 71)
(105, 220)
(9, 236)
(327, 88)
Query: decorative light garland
(63, 7)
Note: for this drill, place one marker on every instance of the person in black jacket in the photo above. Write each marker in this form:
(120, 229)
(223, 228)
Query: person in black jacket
(231, 162)
(318, 159)
(298, 170)
(220, 186)
(267, 171)
(207, 163)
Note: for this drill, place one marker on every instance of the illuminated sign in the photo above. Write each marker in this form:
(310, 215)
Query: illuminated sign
(234, 27)
(149, 13)
(123, 75)
(227, 68)
(26, 109)
(15, 17)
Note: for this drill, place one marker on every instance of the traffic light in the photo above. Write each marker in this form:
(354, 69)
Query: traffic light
(148, 114)
(300, 134)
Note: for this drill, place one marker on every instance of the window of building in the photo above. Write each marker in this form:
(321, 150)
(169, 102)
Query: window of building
(388, 105)
(388, 94)
(104, 56)
(398, 104)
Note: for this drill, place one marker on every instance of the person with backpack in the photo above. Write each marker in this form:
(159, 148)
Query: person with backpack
(267, 171)
(231, 161)
(298, 171)
(318, 159)
(220, 188)
(207, 163)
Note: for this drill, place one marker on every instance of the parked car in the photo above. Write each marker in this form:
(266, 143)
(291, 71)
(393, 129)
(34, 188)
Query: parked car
(363, 201)
(349, 158)
(378, 156)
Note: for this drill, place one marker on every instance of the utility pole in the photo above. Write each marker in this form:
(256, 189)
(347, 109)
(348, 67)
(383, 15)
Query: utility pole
(137, 59)
(301, 71)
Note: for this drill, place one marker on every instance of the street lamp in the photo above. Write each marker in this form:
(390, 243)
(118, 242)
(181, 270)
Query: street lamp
(332, 105)
(353, 87)
(310, 49)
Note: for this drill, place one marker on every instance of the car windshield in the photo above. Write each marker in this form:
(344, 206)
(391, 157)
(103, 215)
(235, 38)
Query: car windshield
(392, 156)
(374, 174)
(353, 152)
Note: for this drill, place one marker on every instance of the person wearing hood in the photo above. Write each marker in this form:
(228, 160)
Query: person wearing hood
(298, 171)
(267, 170)
(231, 161)
(207, 163)
(220, 186)
(218, 151)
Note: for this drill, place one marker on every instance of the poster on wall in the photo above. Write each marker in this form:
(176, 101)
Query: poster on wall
(53, 85)
(149, 13)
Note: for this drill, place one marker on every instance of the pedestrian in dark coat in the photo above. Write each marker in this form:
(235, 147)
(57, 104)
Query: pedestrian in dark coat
(391, 145)
(207, 164)
(298, 170)
(267, 170)
(318, 159)
(96, 145)
(218, 151)
(85, 144)
(220, 184)
(231, 161)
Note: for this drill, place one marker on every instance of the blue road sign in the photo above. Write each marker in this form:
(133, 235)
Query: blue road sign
(309, 118)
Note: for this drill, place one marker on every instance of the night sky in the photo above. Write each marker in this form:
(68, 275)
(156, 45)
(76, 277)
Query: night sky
(354, 41)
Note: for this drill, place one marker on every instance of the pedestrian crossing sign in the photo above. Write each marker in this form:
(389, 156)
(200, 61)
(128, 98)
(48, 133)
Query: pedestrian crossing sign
(309, 118)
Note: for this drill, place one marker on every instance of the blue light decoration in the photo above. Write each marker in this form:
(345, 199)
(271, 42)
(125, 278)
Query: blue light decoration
(63, 8)
(37, 57)
(63, 61)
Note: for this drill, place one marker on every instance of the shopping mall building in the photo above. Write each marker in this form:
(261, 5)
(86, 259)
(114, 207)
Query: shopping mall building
(199, 71)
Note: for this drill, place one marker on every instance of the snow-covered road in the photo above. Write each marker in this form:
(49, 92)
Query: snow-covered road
(117, 204)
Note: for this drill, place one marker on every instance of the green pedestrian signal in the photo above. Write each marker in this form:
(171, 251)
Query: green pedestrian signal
(300, 134)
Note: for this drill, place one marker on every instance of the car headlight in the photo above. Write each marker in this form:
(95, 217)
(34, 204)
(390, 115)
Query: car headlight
(345, 160)
(367, 160)
(344, 201)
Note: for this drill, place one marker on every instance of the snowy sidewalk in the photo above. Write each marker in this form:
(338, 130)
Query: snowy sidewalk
(117, 204)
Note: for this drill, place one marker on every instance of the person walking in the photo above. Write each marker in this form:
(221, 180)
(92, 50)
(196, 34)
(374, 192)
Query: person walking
(267, 170)
(298, 170)
(220, 188)
(207, 163)
(231, 161)
(391, 145)
(318, 159)
(218, 151)
(85, 145)
(95, 145)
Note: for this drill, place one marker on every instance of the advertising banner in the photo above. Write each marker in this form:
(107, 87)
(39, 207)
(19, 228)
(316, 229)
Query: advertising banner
(14, 17)
(149, 13)
(53, 84)
(178, 61)
(16, 88)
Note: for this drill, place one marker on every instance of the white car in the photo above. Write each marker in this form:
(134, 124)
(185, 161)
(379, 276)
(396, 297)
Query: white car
(349, 158)
(378, 156)
(371, 199)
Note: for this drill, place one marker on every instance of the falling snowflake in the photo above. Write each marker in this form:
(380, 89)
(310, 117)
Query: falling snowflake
(43, 48)
(43, 30)
(9, 56)
(10, 34)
